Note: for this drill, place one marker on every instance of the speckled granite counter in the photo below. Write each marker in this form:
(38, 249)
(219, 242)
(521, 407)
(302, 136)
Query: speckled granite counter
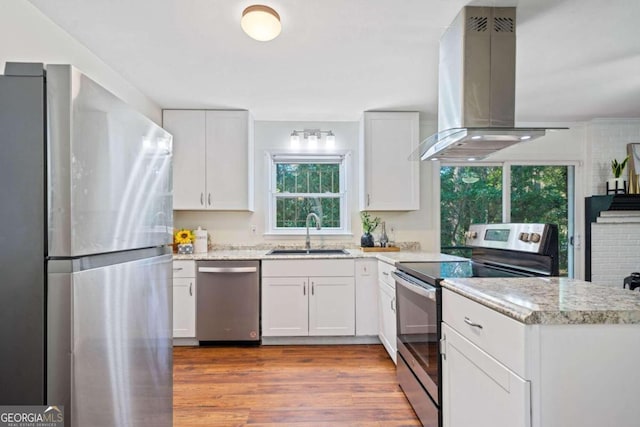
(388, 257)
(551, 300)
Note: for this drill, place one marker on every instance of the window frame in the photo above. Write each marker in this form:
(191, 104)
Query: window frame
(342, 195)
(575, 212)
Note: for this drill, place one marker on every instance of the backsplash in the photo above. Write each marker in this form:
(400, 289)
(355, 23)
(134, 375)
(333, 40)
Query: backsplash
(283, 244)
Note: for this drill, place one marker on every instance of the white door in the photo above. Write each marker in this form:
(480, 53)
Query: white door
(227, 160)
(285, 306)
(478, 390)
(184, 308)
(332, 306)
(188, 130)
(387, 309)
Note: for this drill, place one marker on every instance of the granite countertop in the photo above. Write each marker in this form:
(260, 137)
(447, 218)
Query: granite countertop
(551, 301)
(261, 254)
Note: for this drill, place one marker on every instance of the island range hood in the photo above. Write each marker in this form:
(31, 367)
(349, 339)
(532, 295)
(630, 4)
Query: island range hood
(476, 89)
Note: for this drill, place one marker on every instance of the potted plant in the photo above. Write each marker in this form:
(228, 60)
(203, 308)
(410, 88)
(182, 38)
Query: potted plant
(368, 226)
(617, 184)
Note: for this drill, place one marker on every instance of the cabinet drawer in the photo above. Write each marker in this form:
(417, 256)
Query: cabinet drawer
(501, 337)
(184, 269)
(306, 268)
(384, 273)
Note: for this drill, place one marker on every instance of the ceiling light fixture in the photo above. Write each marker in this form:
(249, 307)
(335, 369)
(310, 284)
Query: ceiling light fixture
(313, 136)
(261, 22)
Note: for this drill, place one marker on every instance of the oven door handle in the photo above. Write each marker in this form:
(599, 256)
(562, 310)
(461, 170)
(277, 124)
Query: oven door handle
(428, 291)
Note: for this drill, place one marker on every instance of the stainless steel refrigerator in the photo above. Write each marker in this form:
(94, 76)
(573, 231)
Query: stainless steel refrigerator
(85, 278)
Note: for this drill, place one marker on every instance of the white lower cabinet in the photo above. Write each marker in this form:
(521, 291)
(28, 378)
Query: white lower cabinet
(479, 390)
(184, 299)
(499, 372)
(366, 296)
(387, 308)
(308, 298)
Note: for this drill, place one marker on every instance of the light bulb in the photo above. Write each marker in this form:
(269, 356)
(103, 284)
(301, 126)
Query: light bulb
(331, 140)
(313, 141)
(295, 140)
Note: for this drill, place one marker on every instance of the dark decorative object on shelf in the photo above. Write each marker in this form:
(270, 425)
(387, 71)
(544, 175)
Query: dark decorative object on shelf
(366, 241)
(632, 282)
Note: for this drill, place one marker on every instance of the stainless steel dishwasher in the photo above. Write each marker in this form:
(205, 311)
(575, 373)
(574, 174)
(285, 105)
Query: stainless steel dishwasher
(228, 301)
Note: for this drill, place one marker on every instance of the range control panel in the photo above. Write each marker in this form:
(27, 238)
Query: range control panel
(513, 236)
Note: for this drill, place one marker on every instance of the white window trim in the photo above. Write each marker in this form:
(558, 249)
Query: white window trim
(345, 217)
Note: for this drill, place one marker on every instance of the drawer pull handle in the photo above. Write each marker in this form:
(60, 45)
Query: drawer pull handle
(385, 273)
(470, 323)
(177, 269)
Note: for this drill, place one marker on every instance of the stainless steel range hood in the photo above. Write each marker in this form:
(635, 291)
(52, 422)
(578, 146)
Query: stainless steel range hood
(476, 100)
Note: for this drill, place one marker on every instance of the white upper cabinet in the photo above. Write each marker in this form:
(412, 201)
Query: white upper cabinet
(212, 159)
(389, 180)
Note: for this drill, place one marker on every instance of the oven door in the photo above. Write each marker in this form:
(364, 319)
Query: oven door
(418, 321)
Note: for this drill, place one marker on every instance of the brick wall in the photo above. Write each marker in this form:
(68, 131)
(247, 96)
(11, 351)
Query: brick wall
(615, 252)
(608, 139)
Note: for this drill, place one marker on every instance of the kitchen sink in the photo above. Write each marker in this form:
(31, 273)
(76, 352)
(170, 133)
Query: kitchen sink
(307, 252)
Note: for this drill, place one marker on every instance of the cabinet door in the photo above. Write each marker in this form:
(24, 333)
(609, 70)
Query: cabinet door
(391, 182)
(478, 390)
(285, 306)
(188, 130)
(184, 307)
(332, 306)
(228, 160)
(367, 297)
(387, 308)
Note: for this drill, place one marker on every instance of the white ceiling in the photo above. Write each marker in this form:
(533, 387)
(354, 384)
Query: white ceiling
(576, 59)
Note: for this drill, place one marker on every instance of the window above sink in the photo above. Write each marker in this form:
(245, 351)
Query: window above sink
(300, 184)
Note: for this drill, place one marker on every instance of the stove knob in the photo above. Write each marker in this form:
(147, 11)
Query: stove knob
(524, 237)
(535, 237)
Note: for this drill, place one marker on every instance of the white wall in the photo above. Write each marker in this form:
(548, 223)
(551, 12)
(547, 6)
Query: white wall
(26, 35)
(236, 227)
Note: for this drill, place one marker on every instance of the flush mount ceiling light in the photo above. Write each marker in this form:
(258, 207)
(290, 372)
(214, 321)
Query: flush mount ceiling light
(261, 22)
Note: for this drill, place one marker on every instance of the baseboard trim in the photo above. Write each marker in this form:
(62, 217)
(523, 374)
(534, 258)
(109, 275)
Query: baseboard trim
(320, 340)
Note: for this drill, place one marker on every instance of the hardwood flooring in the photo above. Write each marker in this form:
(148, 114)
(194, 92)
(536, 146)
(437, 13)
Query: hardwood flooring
(341, 385)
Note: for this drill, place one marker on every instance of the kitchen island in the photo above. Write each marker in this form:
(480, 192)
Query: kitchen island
(539, 352)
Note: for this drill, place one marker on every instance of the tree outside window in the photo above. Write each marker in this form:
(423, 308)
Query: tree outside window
(304, 185)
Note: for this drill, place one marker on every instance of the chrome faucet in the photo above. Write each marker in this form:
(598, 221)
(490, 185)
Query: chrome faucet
(307, 244)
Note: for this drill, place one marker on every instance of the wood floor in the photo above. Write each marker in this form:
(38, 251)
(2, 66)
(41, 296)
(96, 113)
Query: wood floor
(350, 385)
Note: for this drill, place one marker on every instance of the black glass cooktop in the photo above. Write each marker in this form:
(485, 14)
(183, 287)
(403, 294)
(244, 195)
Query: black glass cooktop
(434, 272)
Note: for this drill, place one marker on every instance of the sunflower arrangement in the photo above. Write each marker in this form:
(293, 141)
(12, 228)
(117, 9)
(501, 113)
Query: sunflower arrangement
(183, 237)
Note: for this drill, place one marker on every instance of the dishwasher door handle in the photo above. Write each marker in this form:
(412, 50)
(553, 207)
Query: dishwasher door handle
(227, 270)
